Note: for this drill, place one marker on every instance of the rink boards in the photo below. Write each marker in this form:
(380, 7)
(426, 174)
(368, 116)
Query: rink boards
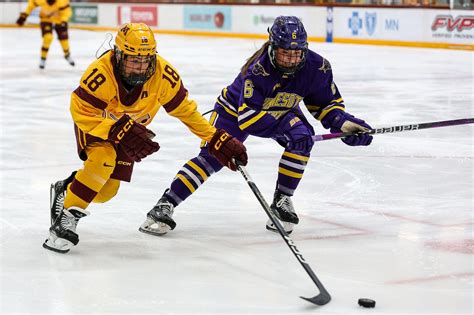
(416, 27)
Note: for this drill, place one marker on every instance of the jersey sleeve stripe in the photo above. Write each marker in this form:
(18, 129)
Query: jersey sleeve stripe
(177, 99)
(227, 109)
(252, 121)
(248, 113)
(313, 107)
(64, 8)
(328, 109)
(91, 99)
(222, 100)
(79, 135)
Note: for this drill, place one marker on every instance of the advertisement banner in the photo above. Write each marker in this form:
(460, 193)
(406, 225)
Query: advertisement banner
(257, 19)
(380, 24)
(138, 14)
(450, 26)
(84, 13)
(207, 17)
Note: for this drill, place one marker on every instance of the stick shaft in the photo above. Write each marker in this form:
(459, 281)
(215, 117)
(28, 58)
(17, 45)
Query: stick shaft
(323, 296)
(397, 128)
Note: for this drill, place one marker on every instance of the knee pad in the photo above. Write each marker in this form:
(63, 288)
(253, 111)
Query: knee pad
(47, 39)
(46, 28)
(108, 191)
(61, 30)
(101, 158)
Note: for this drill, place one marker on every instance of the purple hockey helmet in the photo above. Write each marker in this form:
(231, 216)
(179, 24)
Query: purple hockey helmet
(287, 32)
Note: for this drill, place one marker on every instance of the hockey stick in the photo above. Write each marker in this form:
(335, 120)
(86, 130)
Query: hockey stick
(209, 111)
(398, 128)
(323, 297)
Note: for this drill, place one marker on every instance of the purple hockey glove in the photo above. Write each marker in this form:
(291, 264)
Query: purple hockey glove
(340, 121)
(295, 134)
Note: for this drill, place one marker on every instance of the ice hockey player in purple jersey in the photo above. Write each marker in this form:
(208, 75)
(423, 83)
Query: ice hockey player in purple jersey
(264, 101)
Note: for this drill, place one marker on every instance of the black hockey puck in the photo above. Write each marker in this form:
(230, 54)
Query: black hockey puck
(367, 303)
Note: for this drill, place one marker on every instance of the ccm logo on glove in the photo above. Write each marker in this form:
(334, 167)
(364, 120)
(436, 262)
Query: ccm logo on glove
(133, 138)
(226, 148)
(124, 129)
(221, 140)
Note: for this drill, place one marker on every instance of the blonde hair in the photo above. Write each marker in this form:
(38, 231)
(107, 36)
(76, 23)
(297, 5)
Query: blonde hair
(254, 57)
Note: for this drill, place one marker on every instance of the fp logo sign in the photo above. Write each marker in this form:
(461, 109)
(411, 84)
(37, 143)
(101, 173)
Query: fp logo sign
(459, 23)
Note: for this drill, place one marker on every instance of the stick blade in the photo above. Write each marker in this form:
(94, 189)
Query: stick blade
(321, 299)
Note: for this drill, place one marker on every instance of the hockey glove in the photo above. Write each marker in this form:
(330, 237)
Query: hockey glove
(134, 138)
(21, 20)
(295, 134)
(225, 148)
(338, 120)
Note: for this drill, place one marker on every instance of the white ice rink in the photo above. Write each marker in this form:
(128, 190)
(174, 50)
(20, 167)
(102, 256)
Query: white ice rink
(392, 221)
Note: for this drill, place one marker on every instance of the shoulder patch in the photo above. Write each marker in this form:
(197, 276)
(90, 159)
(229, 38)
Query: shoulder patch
(258, 69)
(326, 66)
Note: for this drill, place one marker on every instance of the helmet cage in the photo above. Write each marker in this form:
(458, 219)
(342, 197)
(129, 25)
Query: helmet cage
(130, 75)
(288, 33)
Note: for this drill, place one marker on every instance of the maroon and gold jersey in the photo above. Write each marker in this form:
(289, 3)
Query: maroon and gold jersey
(101, 99)
(60, 11)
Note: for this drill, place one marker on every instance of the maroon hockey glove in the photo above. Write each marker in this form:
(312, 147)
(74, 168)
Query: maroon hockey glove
(134, 138)
(224, 148)
(21, 20)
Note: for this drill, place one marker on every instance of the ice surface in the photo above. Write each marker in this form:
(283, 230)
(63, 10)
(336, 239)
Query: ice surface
(392, 222)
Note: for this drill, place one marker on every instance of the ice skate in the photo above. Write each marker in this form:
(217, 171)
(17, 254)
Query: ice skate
(159, 219)
(62, 234)
(42, 63)
(283, 209)
(57, 193)
(69, 60)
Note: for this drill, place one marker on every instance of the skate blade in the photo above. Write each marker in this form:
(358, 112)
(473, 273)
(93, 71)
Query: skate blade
(161, 229)
(58, 245)
(288, 227)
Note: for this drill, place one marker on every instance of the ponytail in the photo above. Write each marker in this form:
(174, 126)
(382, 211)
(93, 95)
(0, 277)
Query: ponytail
(254, 57)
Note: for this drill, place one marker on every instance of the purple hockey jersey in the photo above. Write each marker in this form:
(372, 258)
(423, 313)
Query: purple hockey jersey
(263, 95)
